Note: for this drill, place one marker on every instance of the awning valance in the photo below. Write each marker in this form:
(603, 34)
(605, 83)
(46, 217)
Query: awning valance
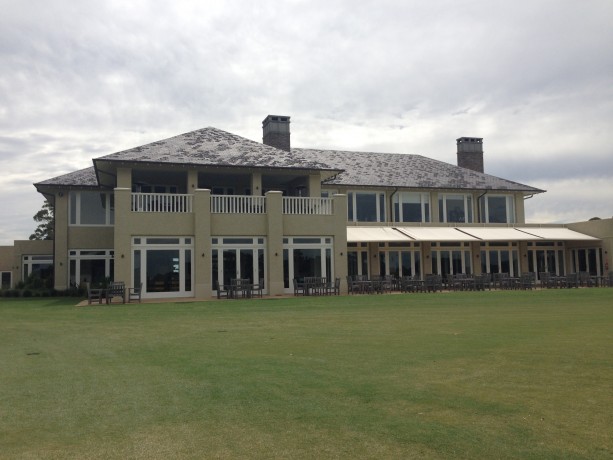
(556, 233)
(463, 234)
(436, 234)
(497, 234)
(375, 234)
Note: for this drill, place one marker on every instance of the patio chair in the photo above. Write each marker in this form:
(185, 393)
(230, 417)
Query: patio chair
(94, 294)
(258, 289)
(433, 283)
(223, 292)
(299, 288)
(353, 286)
(334, 287)
(571, 280)
(526, 281)
(134, 293)
(116, 289)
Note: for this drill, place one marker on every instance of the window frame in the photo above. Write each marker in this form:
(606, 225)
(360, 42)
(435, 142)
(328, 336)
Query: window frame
(74, 215)
(468, 208)
(424, 201)
(352, 205)
(509, 208)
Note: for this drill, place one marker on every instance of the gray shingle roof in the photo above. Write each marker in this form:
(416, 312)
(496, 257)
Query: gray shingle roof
(82, 178)
(214, 147)
(410, 171)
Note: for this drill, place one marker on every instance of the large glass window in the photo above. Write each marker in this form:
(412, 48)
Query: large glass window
(357, 259)
(6, 280)
(400, 259)
(92, 208)
(411, 207)
(546, 257)
(498, 209)
(366, 207)
(40, 266)
(307, 256)
(163, 265)
(589, 260)
(90, 266)
(237, 257)
(455, 208)
(451, 259)
(500, 258)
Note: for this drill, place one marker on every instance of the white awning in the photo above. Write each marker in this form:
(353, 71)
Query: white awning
(450, 234)
(498, 234)
(436, 234)
(375, 234)
(557, 234)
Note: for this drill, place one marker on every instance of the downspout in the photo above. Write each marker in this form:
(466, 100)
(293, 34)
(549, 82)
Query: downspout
(392, 205)
(479, 205)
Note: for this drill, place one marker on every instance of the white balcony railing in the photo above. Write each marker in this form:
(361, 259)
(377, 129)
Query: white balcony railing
(238, 204)
(317, 206)
(228, 204)
(161, 202)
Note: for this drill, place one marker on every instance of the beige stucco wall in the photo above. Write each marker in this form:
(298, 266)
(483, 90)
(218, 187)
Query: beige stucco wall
(11, 256)
(6, 259)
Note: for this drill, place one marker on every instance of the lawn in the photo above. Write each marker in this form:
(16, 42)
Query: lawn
(452, 375)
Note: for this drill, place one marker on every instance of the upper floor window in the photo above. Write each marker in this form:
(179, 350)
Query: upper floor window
(411, 207)
(366, 207)
(92, 208)
(455, 208)
(498, 209)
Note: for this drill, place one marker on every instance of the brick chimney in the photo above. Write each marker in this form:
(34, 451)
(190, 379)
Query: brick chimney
(470, 153)
(276, 132)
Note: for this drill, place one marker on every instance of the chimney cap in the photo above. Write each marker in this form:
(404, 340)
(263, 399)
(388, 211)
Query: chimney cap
(474, 140)
(278, 118)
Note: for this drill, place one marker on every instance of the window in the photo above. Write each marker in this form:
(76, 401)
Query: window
(452, 260)
(411, 207)
(237, 257)
(366, 207)
(589, 260)
(499, 258)
(400, 259)
(307, 257)
(498, 209)
(90, 266)
(38, 266)
(545, 256)
(6, 280)
(164, 266)
(92, 208)
(455, 208)
(357, 259)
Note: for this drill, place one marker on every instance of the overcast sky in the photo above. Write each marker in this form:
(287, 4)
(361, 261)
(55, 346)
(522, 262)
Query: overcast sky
(534, 78)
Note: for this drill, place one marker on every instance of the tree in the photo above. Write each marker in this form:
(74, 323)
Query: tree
(46, 226)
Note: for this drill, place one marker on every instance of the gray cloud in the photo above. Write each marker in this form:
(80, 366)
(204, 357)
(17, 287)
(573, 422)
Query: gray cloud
(535, 79)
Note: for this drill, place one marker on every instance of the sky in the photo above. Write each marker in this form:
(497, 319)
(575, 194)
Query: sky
(534, 78)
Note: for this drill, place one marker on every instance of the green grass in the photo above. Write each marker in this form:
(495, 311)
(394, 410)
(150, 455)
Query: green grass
(462, 375)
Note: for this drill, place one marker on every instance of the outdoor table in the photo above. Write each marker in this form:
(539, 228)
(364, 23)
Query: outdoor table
(240, 288)
(412, 285)
(364, 286)
(468, 284)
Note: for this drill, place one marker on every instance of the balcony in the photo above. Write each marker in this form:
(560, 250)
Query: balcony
(229, 204)
(307, 206)
(161, 202)
(238, 204)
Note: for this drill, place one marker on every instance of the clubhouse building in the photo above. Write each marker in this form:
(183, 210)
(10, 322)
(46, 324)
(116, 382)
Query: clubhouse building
(185, 215)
